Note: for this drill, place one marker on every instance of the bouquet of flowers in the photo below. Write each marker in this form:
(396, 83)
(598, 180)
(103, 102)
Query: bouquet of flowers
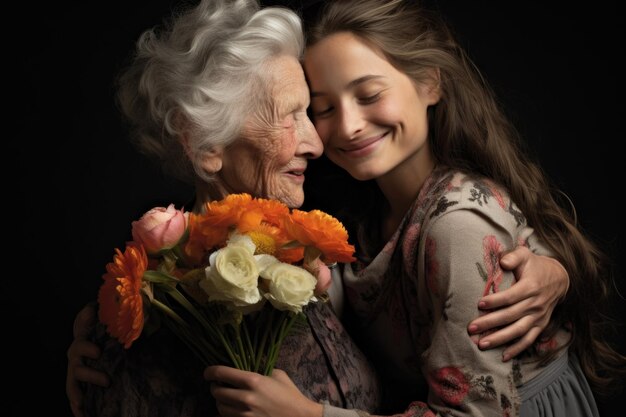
(230, 281)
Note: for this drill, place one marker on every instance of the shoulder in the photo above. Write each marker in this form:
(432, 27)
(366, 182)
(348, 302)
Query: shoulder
(478, 196)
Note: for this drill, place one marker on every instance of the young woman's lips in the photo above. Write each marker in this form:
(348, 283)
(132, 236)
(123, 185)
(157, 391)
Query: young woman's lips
(363, 147)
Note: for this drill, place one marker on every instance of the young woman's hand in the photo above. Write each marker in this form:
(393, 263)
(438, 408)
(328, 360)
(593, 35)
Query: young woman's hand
(520, 313)
(247, 394)
(321, 271)
(81, 348)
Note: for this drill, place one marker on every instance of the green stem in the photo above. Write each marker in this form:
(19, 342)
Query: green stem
(211, 328)
(181, 258)
(245, 365)
(250, 349)
(239, 349)
(275, 333)
(286, 324)
(169, 312)
(182, 330)
(260, 353)
(201, 352)
(214, 332)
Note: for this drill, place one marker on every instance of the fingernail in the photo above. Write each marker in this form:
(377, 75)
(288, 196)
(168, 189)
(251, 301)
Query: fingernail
(482, 304)
(484, 344)
(506, 357)
(473, 328)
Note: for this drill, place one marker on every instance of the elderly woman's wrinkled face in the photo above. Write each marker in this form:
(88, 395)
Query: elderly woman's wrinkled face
(270, 159)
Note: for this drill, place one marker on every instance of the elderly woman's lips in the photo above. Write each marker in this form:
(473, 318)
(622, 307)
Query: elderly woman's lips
(296, 175)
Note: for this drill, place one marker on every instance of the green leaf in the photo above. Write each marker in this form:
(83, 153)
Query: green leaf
(159, 277)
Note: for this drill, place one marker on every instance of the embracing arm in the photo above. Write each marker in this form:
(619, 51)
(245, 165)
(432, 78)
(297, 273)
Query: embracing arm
(524, 309)
(461, 265)
(82, 348)
(462, 379)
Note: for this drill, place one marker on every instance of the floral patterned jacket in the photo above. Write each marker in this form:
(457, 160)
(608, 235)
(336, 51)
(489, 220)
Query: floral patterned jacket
(416, 297)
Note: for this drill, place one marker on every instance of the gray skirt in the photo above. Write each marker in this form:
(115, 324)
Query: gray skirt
(561, 390)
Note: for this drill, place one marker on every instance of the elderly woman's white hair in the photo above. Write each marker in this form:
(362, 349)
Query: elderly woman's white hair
(193, 82)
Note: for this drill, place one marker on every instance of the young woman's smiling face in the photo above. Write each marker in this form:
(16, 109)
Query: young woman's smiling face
(370, 116)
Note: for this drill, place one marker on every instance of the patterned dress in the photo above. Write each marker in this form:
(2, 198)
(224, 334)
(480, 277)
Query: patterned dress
(159, 377)
(415, 298)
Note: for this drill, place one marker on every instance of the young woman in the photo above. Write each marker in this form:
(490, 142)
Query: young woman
(399, 105)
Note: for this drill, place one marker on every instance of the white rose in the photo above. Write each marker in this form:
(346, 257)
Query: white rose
(290, 287)
(233, 276)
(239, 239)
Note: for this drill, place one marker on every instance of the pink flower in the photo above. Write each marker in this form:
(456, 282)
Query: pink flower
(491, 257)
(160, 228)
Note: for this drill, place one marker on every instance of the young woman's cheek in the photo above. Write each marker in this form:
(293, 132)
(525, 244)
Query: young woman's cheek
(323, 128)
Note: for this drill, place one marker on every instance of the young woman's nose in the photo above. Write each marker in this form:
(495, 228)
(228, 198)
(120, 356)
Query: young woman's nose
(350, 122)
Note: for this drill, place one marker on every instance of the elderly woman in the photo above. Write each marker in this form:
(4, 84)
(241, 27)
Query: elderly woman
(219, 99)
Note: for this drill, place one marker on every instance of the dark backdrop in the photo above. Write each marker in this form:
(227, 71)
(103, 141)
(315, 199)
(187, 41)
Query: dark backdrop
(76, 184)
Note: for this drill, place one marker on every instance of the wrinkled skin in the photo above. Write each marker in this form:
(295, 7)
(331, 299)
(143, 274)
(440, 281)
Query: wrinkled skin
(268, 160)
(270, 157)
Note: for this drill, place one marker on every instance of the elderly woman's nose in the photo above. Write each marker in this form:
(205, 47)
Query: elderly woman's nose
(310, 144)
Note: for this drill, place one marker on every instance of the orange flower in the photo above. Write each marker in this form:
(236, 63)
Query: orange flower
(227, 211)
(120, 300)
(172, 280)
(323, 231)
(291, 255)
(205, 234)
(274, 212)
(209, 230)
(253, 216)
(266, 238)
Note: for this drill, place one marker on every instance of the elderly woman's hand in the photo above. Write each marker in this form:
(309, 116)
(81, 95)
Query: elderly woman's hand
(523, 311)
(81, 348)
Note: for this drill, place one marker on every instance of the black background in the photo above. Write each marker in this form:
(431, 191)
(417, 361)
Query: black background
(73, 183)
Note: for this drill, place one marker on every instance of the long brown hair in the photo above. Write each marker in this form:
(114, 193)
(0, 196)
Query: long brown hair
(469, 131)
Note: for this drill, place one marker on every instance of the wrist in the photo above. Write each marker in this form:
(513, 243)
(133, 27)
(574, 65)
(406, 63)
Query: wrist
(315, 410)
(561, 272)
(332, 411)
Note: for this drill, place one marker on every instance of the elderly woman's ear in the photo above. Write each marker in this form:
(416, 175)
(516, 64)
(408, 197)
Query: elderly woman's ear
(210, 160)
